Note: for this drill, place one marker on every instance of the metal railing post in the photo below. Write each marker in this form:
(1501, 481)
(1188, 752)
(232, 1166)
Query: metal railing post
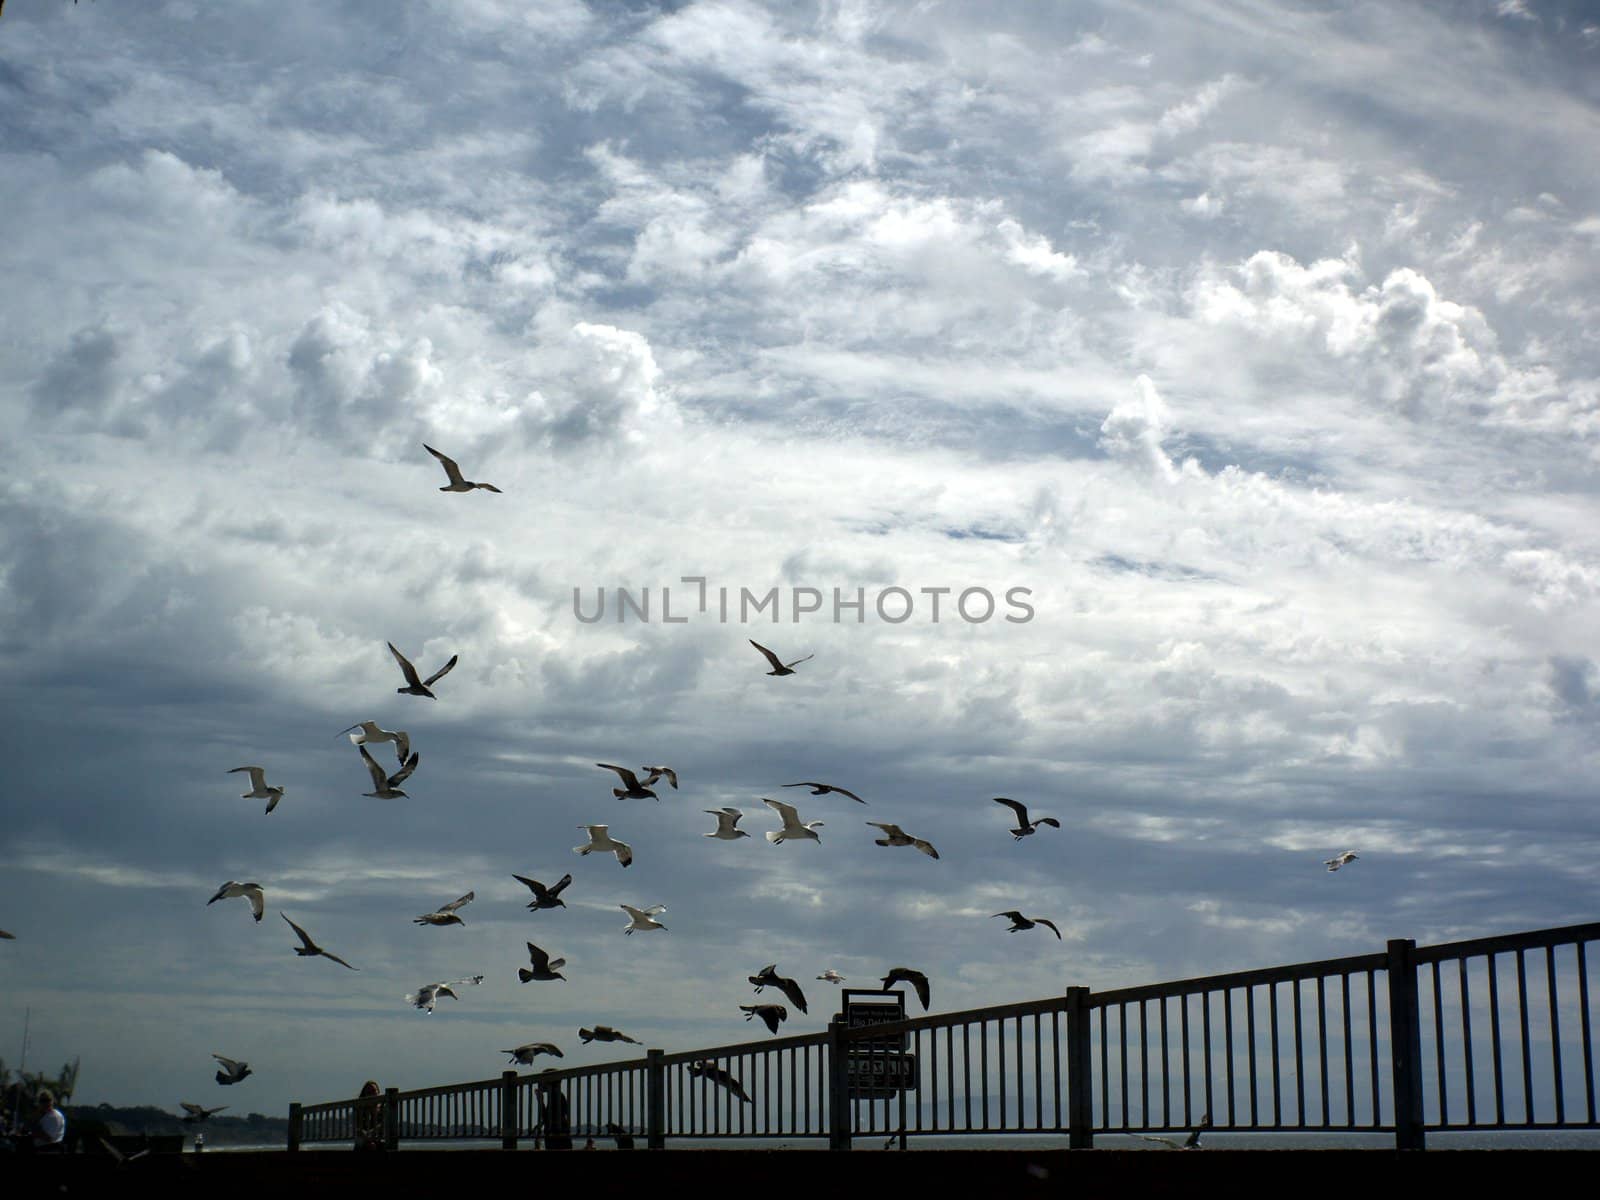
(508, 1110)
(294, 1127)
(838, 1087)
(1080, 1081)
(655, 1100)
(1405, 1046)
(391, 1119)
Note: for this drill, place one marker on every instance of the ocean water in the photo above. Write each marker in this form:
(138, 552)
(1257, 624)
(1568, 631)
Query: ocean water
(1577, 1139)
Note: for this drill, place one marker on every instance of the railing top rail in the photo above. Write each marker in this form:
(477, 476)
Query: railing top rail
(1287, 973)
(559, 1074)
(445, 1088)
(939, 1020)
(1538, 939)
(713, 1052)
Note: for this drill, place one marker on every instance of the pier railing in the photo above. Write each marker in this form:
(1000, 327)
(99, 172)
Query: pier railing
(1489, 1034)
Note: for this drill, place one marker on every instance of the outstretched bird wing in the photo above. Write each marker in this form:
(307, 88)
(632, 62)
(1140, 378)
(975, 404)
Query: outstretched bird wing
(1050, 925)
(925, 847)
(380, 777)
(404, 773)
(455, 904)
(629, 779)
(442, 671)
(337, 959)
(305, 937)
(1020, 810)
(406, 668)
(771, 657)
(448, 463)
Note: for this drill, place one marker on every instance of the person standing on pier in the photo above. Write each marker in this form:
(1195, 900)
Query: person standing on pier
(369, 1117)
(49, 1126)
(555, 1120)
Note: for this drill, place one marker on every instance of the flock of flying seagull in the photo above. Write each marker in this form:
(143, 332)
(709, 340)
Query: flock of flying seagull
(386, 786)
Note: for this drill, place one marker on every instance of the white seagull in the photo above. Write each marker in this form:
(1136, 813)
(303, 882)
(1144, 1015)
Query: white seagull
(446, 913)
(893, 835)
(414, 685)
(258, 787)
(779, 668)
(657, 772)
(792, 828)
(425, 995)
(232, 1070)
(727, 818)
(384, 785)
(832, 976)
(640, 918)
(600, 839)
(1333, 864)
(371, 733)
(457, 483)
(251, 891)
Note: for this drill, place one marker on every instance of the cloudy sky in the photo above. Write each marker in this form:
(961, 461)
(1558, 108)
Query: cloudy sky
(1260, 342)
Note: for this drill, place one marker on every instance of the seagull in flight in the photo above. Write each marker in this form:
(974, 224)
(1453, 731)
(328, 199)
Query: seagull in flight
(656, 773)
(1192, 1142)
(371, 733)
(446, 914)
(893, 835)
(1020, 923)
(640, 918)
(832, 976)
(1333, 864)
(526, 1054)
(457, 483)
(631, 788)
(822, 789)
(600, 839)
(232, 1070)
(779, 668)
(386, 786)
(197, 1114)
(1025, 826)
(232, 891)
(415, 686)
(310, 949)
(772, 1014)
(915, 978)
(792, 828)
(544, 967)
(545, 897)
(727, 818)
(604, 1033)
(701, 1068)
(425, 995)
(258, 787)
(768, 976)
